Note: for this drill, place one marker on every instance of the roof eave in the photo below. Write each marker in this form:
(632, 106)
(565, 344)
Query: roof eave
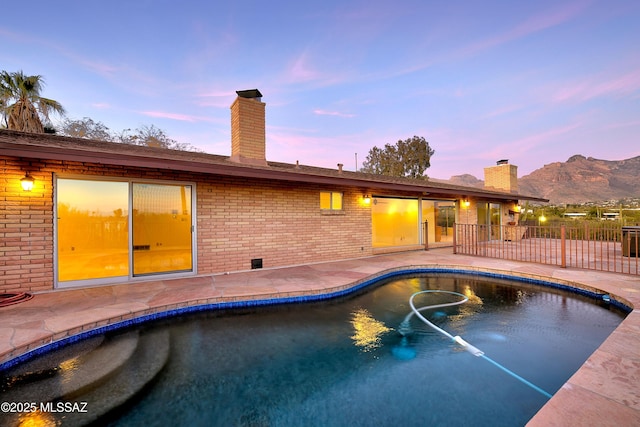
(38, 151)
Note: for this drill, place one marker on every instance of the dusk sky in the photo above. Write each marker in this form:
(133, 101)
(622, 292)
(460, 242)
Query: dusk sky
(534, 82)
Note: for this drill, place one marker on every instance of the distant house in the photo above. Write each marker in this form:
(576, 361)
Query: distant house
(101, 212)
(575, 215)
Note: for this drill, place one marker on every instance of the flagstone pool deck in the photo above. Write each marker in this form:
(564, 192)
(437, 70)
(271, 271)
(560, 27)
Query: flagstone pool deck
(604, 392)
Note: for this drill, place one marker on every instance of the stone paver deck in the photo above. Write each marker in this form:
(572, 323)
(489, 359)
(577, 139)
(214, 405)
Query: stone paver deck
(605, 391)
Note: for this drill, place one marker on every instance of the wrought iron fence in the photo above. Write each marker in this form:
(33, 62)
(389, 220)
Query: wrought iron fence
(604, 248)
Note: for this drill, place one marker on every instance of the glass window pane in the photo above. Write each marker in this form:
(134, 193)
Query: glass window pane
(441, 216)
(429, 215)
(482, 212)
(161, 228)
(336, 201)
(92, 229)
(494, 211)
(394, 222)
(325, 200)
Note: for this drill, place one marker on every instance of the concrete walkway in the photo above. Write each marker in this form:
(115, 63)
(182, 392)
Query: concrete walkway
(604, 392)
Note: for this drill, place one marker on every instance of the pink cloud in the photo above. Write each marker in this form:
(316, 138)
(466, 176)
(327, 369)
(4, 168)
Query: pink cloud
(622, 124)
(323, 151)
(365, 24)
(301, 69)
(120, 75)
(599, 86)
(548, 20)
(217, 94)
(527, 143)
(100, 68)
(179, 117)
(333, 113)
(530, 26)
(503, 110)
(216, 99)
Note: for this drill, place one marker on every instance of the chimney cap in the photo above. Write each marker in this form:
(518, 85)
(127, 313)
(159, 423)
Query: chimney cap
(250, 93)
(502, 162)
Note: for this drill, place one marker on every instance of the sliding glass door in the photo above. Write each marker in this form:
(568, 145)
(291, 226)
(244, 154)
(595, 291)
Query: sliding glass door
(113, 230)
(92, 229)
(439, 216)
(488, 221)
(395, 222)
(162, 226)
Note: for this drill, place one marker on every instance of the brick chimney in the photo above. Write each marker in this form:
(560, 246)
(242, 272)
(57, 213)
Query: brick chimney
(248, 128)
(502, 177)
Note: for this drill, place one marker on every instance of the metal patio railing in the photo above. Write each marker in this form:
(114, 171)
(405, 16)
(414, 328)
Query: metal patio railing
(605, 248)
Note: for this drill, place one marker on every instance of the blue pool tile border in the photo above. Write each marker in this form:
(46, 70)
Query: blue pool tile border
(303, 299)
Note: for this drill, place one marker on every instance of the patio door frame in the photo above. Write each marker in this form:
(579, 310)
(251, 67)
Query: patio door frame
(130, 277)
(488, 230)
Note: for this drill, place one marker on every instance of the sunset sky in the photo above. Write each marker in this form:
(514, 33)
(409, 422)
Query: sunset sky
(532, 82)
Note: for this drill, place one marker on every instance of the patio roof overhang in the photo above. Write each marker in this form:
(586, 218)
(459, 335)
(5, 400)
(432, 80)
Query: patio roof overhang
(52, 147)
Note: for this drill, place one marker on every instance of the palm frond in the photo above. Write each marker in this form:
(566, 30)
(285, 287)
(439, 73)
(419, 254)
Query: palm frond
(21, 105)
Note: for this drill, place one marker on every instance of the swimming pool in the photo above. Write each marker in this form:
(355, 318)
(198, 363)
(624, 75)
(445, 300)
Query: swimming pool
(345, 362)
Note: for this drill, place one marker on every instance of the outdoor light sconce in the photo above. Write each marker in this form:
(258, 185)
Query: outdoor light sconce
(466, 203)
(27, 182)
(366, 199)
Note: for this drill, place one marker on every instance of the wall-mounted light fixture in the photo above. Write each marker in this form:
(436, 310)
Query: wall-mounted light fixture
(466, 203)
(366, 199)
(27, 182)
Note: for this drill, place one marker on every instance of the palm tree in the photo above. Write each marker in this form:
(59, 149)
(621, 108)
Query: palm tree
(21, 104)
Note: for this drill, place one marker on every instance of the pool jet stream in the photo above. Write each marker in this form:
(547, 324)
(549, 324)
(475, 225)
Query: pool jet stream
(405, 329)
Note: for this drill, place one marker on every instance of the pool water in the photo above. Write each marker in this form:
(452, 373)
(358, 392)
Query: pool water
(334, 364)
(344, 362)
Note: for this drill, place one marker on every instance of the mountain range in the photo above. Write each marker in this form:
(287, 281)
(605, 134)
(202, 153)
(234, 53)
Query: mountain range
(578, 180)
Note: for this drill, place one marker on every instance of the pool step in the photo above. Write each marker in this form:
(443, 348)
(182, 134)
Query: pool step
(145, 364)
(46, 380)
(44, 366)
(105, 378)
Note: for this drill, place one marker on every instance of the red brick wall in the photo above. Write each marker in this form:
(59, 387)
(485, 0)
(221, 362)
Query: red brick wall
(238, 220)
(248, 137)
(501, 177)
(26, 227)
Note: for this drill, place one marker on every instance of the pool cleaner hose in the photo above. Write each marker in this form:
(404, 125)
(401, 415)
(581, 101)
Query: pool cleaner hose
(405, 329)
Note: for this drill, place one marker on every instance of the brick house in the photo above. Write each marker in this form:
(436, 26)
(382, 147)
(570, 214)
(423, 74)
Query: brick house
(101, 212)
